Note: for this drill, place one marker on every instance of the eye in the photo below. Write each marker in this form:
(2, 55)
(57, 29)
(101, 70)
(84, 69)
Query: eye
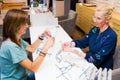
(97, 18)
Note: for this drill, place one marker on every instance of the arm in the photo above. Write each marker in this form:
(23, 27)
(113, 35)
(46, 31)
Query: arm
(82, 43)
(107, 49)
(33, 66)
(32, 47)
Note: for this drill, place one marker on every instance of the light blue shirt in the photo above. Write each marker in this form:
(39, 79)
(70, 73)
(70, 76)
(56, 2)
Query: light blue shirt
(10, 56)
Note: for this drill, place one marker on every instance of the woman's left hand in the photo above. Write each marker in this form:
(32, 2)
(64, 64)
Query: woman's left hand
(75, 51)
(46, 33)
(49, 43)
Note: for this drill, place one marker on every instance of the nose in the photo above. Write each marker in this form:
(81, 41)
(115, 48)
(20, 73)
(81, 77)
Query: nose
(26, 25)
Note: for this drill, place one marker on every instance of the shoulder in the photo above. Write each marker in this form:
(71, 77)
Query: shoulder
(94, 30)
(111, 32)
(6, 48)
(110, 35)
(8, 44)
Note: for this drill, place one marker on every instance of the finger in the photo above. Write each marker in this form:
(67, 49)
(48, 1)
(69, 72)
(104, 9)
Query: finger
(47, 32)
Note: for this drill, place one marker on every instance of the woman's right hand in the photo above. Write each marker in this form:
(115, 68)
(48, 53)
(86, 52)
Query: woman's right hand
(50, 41)
(67, 45)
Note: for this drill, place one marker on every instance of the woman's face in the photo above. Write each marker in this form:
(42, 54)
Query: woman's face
(99, 19)
(22, 29)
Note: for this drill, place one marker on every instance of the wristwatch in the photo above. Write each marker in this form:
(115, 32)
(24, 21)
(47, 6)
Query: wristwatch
(40, 38)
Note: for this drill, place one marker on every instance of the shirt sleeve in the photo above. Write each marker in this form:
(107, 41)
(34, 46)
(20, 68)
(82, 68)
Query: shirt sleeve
(17, 54)
(84, 42)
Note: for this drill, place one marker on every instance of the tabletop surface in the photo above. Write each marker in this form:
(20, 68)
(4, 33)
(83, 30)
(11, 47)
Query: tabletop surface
(59, 65)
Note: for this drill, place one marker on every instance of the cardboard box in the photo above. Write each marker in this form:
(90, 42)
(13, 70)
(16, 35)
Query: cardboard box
(61, 7)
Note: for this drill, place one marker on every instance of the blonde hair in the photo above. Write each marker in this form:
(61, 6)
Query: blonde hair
(107, 9)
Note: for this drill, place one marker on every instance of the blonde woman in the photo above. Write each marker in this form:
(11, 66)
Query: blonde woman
(101, 39)
(13, 56)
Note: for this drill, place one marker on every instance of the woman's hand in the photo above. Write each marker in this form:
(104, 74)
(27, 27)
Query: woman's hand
(75, 51)
(46, 33)
(70, 47)
(49, 43)
(67, 45)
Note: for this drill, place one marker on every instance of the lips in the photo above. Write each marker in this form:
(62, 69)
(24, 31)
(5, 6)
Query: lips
(95, 24)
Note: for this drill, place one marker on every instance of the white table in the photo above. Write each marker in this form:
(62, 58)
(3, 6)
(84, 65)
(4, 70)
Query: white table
(41, 19)
(59, 65)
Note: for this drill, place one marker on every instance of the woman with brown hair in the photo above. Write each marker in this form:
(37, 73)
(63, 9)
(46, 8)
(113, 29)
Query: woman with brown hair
(13, 55)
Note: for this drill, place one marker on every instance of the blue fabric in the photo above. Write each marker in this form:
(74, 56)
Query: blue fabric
(31, 76)
(101, 47)
(10, 56)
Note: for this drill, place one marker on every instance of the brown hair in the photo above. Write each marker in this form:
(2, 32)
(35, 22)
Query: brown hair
(14, 18)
